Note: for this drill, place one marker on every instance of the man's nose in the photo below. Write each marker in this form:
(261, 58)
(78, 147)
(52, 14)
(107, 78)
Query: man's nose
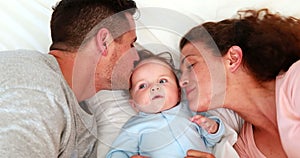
(135, 54)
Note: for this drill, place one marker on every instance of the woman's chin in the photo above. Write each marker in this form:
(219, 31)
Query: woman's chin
(195, 106)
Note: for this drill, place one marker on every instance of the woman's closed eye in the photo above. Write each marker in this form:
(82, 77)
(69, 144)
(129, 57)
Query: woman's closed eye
(190, 66)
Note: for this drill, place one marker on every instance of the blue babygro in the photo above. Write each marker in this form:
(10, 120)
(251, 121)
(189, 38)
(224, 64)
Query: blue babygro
(166, 134)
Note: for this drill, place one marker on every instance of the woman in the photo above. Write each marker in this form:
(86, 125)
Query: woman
(255, 58)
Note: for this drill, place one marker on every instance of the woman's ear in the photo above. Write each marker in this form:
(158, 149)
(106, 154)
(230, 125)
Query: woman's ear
(234, 58)
(132, 103)
(102, 39)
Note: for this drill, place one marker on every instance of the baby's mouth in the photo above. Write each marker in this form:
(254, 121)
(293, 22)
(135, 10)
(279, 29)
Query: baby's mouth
(157, 97)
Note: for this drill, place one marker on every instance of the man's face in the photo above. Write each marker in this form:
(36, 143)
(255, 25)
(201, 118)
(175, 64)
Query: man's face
(126, 54)
(113, 73)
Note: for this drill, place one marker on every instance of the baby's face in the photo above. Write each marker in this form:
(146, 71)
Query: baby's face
(154, 87)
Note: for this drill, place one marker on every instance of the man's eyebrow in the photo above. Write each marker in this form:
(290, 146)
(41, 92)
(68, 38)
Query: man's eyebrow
(134, 40)
(182, 61)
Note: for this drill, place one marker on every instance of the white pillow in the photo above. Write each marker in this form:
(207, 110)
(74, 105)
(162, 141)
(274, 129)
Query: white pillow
(111, 110)
(25, 24)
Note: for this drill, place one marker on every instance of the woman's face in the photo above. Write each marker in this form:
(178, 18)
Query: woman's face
(201, 77)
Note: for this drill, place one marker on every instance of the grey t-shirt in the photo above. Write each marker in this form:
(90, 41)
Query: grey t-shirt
(39, 113)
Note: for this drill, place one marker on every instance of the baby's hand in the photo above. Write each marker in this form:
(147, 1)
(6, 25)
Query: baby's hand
(138, 156)
(209, 125)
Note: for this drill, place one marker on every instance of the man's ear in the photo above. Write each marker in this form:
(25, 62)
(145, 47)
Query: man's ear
(102, 39)
(132, 103)
(234, 58)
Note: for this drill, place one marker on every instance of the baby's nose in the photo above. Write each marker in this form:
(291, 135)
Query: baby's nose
(155, 88)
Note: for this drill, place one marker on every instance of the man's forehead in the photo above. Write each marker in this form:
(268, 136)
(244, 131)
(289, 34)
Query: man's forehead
(131, 21)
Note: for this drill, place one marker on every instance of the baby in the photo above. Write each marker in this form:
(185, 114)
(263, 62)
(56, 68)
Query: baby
(164, 125)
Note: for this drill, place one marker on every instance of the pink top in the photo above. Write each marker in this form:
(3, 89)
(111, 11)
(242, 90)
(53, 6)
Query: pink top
(245, 145)
(288, 109)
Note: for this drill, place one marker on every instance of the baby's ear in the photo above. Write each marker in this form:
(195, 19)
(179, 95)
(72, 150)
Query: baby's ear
(133, 105)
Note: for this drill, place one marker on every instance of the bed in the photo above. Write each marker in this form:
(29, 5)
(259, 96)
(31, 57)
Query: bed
(160, 24)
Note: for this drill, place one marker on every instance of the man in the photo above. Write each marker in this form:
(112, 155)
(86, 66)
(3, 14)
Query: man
(39, 93)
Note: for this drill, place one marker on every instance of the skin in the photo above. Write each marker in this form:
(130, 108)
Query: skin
(145, 78)
(154, 88)
(189, 80)
(112, 71)
(207, 70)
(197, 154)
(255, 102)
(90, 68)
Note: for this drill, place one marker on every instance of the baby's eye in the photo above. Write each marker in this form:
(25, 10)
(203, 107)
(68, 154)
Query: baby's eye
(142, 86)
(163, 81)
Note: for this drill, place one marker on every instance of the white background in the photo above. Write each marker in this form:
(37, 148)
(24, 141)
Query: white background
(25, 23)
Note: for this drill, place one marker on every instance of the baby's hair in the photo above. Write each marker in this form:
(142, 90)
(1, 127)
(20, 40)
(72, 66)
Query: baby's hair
(165, 57)
(145, 54)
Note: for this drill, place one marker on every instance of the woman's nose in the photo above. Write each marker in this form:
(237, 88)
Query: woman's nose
(183, 82)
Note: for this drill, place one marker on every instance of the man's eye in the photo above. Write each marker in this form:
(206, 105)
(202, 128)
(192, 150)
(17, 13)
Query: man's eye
(142, 86)
(163, 81)
(132, 45)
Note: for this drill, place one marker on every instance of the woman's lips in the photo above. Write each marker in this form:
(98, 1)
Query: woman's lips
(189, 90)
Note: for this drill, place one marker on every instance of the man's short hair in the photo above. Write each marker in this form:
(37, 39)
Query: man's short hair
(72, 20)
